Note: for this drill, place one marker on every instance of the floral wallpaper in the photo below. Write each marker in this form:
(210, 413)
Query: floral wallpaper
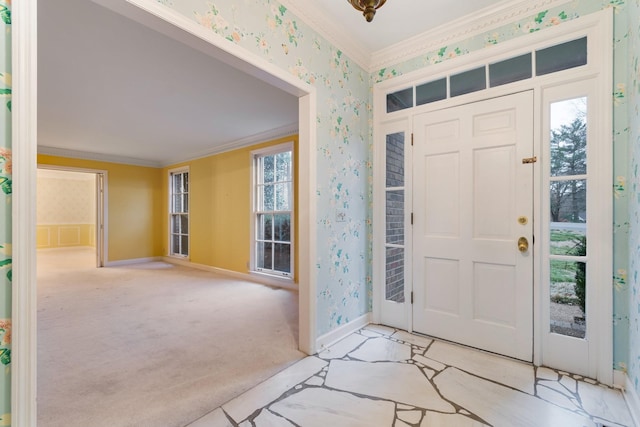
(5, 212)
(536, 22)
(269, 30)
(634, 197)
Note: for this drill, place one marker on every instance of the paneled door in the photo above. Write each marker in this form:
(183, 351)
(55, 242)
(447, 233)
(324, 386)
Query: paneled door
(472, 232)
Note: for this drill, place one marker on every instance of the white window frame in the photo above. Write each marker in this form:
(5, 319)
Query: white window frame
(171, 253)
(255, 155)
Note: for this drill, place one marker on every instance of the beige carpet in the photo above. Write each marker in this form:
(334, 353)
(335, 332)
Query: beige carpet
(152, 344)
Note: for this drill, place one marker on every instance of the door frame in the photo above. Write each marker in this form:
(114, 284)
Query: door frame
(24, 147)
(101, 204)
(598, 27)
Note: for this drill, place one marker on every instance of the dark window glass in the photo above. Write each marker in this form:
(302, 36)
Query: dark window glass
(400, 100)
(395, 159)
(561, 57)
(469, 81)
(431, 92)
(510, 70)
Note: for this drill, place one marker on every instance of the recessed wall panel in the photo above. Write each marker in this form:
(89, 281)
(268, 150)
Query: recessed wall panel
(442, 195)
(499, 121)
(492, 283)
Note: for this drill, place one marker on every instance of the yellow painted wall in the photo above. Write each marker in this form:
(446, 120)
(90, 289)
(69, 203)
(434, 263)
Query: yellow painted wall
(135, 206)
(220, 208)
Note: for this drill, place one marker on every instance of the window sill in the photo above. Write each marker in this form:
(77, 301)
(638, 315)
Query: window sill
(274, 279)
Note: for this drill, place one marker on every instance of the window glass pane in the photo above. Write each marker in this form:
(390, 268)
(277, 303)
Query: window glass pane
(395, 217)
(185, 182)
(568, 298)
(282, 197)
(282, 257)
(568, 122)
(510, 70)
(267, 198)
(469, 81)
(400, 100)
(184, 249)
(395, 160)
(175, 224)
(185, 203)
(394, 285)
(561, 57)
(184, 224)
(263, 256)
(283, 166)
(267, 168)
(568, 238)
(175, 244)
(431, 92)
(568, 201)
(177, 183)
(265, 227)
(282, 228)
(177, 203)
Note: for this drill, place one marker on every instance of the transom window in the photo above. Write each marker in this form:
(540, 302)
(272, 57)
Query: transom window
(273, 210)
(179, 212)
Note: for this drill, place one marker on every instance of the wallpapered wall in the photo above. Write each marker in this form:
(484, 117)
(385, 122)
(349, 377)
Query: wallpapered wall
(634, 198)
(5, 212)
(66, 201)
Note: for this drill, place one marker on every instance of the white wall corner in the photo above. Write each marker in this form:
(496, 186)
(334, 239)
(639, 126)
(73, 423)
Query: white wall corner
(630, 395)
(341, 332)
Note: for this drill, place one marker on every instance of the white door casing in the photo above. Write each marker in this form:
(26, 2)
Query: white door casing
(473, 200)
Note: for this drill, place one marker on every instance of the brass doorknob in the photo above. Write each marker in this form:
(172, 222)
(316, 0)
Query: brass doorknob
(523, 244)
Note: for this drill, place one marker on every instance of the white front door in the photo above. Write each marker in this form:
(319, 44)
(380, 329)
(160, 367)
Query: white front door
(473, 202)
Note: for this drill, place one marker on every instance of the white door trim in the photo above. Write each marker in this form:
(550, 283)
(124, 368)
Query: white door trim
(24, 144)
(598, 27)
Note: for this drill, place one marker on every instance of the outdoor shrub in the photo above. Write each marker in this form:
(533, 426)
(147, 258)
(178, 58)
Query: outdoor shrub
(580, 249)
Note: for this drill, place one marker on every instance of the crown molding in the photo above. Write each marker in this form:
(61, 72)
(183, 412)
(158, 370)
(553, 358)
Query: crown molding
(313, 15)
(257, 138)
(271, 134)
(87, 155)
(460, 29)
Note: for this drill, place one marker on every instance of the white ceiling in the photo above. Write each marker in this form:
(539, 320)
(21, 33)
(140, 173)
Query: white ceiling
(114, 88)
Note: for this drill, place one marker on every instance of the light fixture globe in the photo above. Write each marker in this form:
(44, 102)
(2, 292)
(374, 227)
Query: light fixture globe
(367, 7)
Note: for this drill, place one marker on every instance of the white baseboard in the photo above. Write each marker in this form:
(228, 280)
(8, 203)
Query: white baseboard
(632, 399)
(261, 279)
(339, 333)
(131, 261)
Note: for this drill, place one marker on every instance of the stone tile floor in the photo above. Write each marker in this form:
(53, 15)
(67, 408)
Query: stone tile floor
(383, 377)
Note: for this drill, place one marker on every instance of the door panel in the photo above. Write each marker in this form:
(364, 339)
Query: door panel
(473, 285)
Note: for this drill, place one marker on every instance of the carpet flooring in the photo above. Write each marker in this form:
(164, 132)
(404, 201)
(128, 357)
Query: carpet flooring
(152, 344)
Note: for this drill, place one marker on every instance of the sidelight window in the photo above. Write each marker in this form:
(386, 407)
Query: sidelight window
(179, 213)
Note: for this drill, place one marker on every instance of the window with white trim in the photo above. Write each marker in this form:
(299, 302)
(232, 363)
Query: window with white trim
(273, 210)
(179, 212)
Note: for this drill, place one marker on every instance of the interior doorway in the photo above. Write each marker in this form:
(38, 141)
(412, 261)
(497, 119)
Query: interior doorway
(71, 211)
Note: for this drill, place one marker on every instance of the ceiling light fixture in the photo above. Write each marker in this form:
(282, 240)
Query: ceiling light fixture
(367, 7)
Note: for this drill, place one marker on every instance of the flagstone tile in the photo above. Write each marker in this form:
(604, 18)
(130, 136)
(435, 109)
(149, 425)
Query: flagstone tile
(382, 330)
(547, 374)
(402, 383)
(269, 419)
(216, 418)
(316, 407)
(436, 366)
(556, 397)
(261, 395)
(411, 417)
(434, 419)
(605, 403)
(509, 372)
(502, 406)
(400, 423)
(342, 347)
(382, 349)
(412, 338)
(569, 383)
(315, 381)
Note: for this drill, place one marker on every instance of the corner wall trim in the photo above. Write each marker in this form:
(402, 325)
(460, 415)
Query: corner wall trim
(341, 332)
(259, 279)
(632, 399)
